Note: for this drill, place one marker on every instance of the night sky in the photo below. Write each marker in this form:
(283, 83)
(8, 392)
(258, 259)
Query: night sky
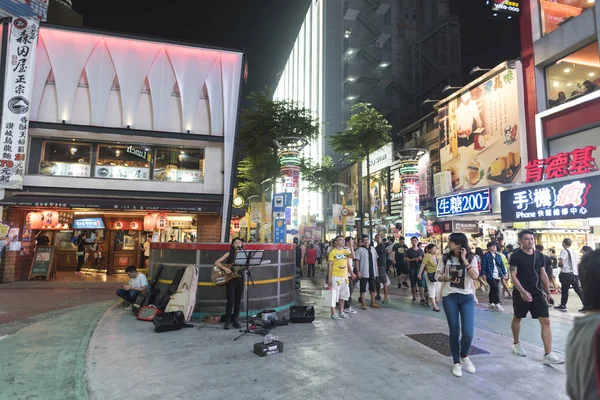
(266, 29)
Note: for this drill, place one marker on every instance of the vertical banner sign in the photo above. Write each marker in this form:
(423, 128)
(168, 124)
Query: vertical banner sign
(280, 231)
(410, 206)
(18, 86)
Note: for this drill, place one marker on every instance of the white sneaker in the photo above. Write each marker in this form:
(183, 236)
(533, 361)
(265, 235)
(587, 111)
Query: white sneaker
(552, 358)
(457, 370)
(350, 310)
(467, 365)
(519, 350)
(492, 306)
(325, 286)
(499, 308)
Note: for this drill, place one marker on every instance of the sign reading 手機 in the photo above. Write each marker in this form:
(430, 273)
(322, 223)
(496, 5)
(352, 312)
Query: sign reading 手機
(464, 203)
(571, 199)
(577, 162)
(18, 84)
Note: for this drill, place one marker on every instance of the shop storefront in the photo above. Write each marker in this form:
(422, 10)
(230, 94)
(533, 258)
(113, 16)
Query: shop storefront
(124, 138)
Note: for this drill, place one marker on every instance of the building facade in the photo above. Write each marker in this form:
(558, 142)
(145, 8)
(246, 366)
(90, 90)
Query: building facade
(128, 137)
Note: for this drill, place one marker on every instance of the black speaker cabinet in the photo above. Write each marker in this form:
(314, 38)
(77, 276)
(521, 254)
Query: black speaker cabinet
(302, 314)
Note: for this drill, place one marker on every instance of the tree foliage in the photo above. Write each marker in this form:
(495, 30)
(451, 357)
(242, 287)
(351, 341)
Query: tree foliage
(319, 177)
(367, 130)
(267, 121)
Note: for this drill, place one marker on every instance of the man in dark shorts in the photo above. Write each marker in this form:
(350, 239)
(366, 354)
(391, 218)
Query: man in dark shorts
(381, 266)
(414, 256)
(531, 294)
(366, 267)
(398, 255)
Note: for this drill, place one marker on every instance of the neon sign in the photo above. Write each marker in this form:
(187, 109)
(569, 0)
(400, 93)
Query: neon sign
(464, 203)
(562, 200)
(577, 162)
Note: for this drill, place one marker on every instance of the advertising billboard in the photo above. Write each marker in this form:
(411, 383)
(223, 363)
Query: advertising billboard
(480, 134)
(571, 199)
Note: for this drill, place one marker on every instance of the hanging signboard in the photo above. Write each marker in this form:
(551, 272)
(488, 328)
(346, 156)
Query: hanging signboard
(573, 199)
(25, 8)
(18, 85)
(279, 231)
(508, 7)
(379, 159)
(464, 203)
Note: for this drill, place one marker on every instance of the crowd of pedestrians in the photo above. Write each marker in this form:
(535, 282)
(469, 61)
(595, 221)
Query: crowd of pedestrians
(451, 277)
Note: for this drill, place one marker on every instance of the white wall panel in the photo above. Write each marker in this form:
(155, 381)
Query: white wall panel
(132, 60)
(215, 94)
(113, 116)
(174, 116)
(203, 118)
(101, 75)
(192, 67)
(48, 104)
(162, 80)
(68, 53)
(82, 111)
(143, 116)
(42, 70)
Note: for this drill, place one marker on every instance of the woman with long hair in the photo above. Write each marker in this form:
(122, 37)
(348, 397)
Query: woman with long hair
(429, 266)
(234, 288)
(457, 270)
(310, 259)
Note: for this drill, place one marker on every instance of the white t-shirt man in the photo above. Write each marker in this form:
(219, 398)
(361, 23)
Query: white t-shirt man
(569, 264)
(362, 255)
(140, 281)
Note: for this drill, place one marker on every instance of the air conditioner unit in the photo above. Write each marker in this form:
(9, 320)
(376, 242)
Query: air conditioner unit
(379, 44)
(442, 182)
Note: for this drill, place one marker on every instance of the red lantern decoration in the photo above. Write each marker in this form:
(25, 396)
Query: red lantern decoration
(149, 222)
(33, 220)
(50, 218)
(162, 222)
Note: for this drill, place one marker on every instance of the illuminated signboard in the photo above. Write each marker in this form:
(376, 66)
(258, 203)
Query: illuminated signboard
(571, 199)
(464, 203)
(509, 7)
(88, 223)
(577, 162)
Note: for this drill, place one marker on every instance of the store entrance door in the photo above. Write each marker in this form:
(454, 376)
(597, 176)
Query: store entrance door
(125, 250)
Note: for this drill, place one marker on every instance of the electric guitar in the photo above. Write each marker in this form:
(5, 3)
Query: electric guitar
(220, 278)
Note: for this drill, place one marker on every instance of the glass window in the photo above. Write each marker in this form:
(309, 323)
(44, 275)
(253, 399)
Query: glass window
(177, 165)
(65, 159)
(575, 76)
(555, 12)
(123, 162)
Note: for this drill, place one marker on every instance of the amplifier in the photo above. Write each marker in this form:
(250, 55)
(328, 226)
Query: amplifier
(263, 350)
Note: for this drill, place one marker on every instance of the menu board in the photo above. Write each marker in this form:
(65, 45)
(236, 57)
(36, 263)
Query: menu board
(42, 262)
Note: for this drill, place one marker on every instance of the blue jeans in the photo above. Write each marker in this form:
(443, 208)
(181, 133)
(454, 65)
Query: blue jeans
(456, 304)
(128, 295)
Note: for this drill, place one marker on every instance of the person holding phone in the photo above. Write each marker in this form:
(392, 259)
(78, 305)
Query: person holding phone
(457, 270)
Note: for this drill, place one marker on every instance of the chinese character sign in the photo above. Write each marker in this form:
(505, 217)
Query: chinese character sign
(18, 85)
(410, 206)
(577, 162)
(480, 134)
(564, 200)
(464, 203)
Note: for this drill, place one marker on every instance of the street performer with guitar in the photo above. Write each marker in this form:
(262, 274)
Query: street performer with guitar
(234, 288)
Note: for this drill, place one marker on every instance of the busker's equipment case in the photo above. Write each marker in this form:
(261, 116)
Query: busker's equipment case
(184, 297)
(171, 321)
(148, 296)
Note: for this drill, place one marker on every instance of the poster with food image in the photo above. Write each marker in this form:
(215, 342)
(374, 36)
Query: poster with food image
(480, 140)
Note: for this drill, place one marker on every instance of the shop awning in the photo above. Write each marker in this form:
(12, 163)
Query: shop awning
(130, 204)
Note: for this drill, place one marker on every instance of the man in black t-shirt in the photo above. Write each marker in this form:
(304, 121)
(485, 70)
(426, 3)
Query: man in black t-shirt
(414, 256)
(531, 294)
(381, 267)
(398, 255)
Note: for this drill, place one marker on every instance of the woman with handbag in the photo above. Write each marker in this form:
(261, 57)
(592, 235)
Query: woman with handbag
(429, 265)
(234, 288)
(80, 244)
(457, 270)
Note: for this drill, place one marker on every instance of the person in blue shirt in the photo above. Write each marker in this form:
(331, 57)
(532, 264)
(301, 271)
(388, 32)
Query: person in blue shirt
(493, 270)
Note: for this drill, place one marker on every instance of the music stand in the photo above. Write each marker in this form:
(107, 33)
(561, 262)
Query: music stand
(247, 259)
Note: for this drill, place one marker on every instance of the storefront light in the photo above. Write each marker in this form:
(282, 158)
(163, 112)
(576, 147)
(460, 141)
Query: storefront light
(567, 70)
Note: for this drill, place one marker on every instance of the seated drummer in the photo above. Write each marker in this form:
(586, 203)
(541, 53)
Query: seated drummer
(137, 284)
(234, 288)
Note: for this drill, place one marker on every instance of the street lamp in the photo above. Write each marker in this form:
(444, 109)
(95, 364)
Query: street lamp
(448, 87)
(429, 101)
(479, 69)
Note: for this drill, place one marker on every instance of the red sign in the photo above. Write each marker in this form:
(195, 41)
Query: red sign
(127, 224)
(123, 261)
(118, 224)
(577, 162)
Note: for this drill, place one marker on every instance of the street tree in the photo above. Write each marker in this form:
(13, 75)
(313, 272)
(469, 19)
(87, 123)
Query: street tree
(319, 177)
(267, 121)
(366, 131)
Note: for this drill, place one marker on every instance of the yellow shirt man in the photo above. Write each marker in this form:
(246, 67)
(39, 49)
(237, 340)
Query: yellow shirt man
(340, 262)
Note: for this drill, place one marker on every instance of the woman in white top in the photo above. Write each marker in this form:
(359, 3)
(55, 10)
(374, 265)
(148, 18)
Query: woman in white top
(457, 270)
